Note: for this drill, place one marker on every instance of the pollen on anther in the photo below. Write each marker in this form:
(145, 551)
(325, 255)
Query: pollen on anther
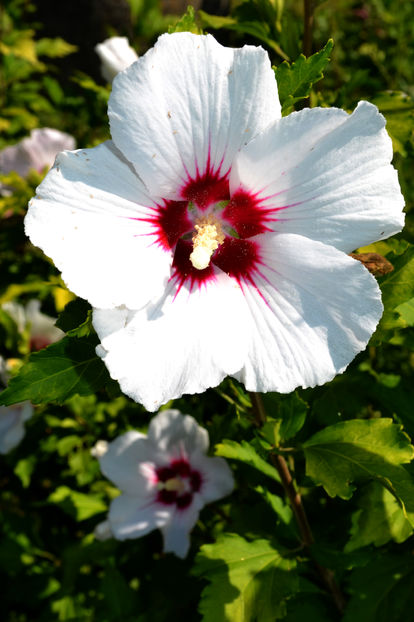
(207, 239)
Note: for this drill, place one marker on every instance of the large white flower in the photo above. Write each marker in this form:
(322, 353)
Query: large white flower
(165, 479)
(212, 234)
(116, 55)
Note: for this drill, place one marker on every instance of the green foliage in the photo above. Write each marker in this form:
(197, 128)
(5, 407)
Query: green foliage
(397, 293)
(288, 415)
(358, 451)
(77, 504)
(382, 591)
(245, 453)
(398, 109)
(248, 580)
(187, 23)
(66, 368)
(295, 80)
(247, 560)
(380, 519)
(244, 21)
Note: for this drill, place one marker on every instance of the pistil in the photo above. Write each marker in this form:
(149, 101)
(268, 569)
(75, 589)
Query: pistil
(207, 239)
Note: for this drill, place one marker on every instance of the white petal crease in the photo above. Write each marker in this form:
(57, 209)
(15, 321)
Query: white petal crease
(186, 105)
(203, 329)
(327, 175)
(311, 313)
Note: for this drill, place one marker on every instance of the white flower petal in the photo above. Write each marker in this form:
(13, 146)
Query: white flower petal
(216, 475)
(103, 531)
(312, 313)
(116, 55)
(129, 463)
(86, 217)
(185, 343)
(42, 327)
(35, 151)
(174, 434)
(176, 532)
(188, 105)
(328, 174)
(12, 420)
(129, 518)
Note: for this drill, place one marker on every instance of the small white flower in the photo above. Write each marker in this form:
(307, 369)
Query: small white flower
(99, 449)
(116, 55)
(103, 531)
(42, 327)
(12, 420)
(35, 151)
(165, 479)
(211, 235)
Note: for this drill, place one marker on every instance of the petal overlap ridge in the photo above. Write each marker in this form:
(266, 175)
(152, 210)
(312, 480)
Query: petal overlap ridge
(165, 478)
(211, 235)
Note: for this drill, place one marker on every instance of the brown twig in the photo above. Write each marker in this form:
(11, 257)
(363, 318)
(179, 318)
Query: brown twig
(294, 497)
(258, 408)
(295, 500)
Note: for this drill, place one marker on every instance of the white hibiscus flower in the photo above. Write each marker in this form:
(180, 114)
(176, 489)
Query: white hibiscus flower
(42, 327)
(35, 151)
(212, 235)
(116, 55)
(165, 479)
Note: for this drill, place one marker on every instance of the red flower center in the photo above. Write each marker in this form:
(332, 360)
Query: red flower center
(177, 483)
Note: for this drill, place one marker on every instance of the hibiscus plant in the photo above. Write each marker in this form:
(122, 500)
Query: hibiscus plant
(206, 317)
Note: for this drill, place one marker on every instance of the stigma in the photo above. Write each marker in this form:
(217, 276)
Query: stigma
(208, 237)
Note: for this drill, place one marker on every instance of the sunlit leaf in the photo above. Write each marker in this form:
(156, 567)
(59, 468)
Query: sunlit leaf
(77, 504)
(295, 80)
(249, 581)
(380, 519)
(361, 450)
(54, 374)
(398, 109)
(245, 453)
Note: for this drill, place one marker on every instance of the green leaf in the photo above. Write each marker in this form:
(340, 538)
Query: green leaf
(380, 519)
(397, 288)
(54, 48)
(382, 591)
(54, 374)
(288, 414)
(69, 609)
(244, 22)
(187, 23)
(118, 596)
(361, 450)
(398, 109)
(245, 453)
(249, 581)
(24, 469)
(76, 318)
(406, 311)
(77, 504)
(280, 508)
(295, 80)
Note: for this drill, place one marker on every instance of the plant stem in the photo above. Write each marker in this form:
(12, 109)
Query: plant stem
(295, 500)
(307, 27)
(258, 408)
(294, 497)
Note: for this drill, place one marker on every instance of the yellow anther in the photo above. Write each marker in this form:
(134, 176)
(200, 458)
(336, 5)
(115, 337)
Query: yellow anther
(175, 484)
(207, 239)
